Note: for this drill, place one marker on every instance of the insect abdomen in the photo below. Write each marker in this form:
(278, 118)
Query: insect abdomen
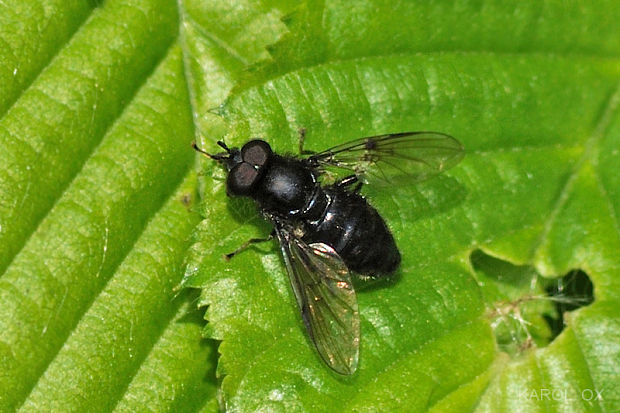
(357, 232)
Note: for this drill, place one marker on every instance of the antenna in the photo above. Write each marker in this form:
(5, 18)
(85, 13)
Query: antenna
(217, 157)
(197, 149)
(223, 145)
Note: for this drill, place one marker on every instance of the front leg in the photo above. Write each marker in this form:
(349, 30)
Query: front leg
(249, 242)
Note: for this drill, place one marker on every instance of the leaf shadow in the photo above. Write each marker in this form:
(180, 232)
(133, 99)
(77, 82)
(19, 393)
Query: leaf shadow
(428, 200)
(423, 200)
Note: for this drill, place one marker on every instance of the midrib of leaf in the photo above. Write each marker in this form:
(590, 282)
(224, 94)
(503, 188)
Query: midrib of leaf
(189, 79)
(191, 83)
(601, 129)
(608, 203)
(217, 47)
(590, 150)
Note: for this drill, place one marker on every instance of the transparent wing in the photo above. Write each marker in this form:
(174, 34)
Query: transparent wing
(415, 156)
(326, 298)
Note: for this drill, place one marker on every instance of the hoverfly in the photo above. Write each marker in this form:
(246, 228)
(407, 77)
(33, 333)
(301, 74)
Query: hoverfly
(328, 232)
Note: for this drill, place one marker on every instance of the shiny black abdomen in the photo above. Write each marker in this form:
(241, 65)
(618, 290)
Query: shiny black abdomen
(350, 225)
(288, 191)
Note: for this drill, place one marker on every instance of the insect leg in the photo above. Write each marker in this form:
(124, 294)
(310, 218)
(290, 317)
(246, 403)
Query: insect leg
(302, 138)
(350, 180)
(346, 181)
(246, 244)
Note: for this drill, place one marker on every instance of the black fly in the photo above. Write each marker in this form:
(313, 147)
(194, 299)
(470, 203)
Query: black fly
(327, 232)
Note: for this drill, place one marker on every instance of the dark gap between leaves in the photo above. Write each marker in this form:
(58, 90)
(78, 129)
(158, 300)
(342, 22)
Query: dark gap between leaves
(525, 309)
(573, 291)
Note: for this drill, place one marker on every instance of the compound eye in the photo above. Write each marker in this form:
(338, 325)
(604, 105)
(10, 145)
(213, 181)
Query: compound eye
(256, 152)
(241, 179)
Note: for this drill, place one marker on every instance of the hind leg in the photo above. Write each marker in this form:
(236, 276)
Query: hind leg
(348, 181)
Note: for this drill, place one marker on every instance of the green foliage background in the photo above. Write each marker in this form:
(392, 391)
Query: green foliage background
(99, 101)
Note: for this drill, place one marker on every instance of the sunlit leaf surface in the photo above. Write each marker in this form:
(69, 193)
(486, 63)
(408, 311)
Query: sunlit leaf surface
(100, 100)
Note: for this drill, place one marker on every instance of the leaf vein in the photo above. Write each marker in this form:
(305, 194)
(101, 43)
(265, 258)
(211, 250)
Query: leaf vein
(589, 149)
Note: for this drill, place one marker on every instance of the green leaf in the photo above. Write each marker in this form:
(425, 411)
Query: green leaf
(99, 102)
(532, 91)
